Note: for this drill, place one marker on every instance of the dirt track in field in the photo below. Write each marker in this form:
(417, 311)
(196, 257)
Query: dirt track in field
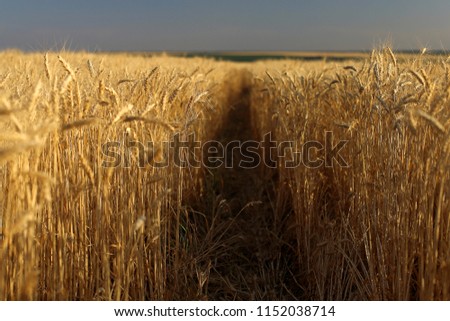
(255, 264)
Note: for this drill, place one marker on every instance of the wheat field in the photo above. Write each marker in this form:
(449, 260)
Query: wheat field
(370, 223)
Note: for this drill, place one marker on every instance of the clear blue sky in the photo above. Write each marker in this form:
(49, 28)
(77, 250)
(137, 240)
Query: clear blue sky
(223, 25)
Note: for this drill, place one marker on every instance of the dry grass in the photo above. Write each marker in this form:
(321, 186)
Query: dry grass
(73, 229)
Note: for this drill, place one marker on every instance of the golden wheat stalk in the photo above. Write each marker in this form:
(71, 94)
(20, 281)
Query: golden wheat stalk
(66, 66)
(47, 67)
(392, 56)
(65, 84)
(150, 121)
(436, 123)
(91, 69)
(122, 112)
(88, 169)
(418, 77)
(114, 94)
(79, 123)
